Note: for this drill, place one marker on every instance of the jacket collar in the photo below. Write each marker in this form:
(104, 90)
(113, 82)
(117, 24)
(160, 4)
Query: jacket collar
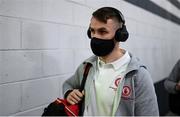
(134, 63)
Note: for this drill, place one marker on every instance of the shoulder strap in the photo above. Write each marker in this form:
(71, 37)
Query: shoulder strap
(85, 74)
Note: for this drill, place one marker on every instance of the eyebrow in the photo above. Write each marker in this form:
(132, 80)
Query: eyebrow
(99, 29)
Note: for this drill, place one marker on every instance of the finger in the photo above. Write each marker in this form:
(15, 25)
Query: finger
(83, 92)
(73, 97)
(70, 102)
(78, 93)
(74, 100)
(69, 98)
(76, 97)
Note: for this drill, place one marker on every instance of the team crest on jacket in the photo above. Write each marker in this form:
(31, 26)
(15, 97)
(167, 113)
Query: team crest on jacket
(115, 83)
(126, 92)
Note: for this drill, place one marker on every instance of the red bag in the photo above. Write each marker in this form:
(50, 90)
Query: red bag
(60, 107)
(71, 110)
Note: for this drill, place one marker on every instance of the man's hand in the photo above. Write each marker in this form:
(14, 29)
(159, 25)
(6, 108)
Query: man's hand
(178, 86)
(75, 96)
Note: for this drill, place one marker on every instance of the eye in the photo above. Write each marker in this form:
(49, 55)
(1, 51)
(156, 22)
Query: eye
(102, 32)
(92, 31)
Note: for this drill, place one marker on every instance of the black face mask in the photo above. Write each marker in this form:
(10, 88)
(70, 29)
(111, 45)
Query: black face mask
(101, 47)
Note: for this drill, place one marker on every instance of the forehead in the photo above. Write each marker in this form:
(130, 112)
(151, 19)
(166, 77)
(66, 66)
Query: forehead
(96, 24)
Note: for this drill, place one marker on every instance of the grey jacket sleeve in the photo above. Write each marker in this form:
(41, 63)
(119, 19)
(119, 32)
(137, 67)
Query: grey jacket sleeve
(145, 97)
(173, 78)
(74, 81)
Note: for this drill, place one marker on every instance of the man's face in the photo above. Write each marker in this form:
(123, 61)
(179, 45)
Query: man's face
(103, 30)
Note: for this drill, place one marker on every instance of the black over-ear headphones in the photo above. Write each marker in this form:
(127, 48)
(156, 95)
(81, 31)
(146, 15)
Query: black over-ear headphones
(121, 34)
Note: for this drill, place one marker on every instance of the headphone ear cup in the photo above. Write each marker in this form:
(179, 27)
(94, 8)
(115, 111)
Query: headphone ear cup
(89, 33)
(121, 34)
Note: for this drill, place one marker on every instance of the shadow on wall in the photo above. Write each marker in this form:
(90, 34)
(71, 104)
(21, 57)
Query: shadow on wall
(162, 98)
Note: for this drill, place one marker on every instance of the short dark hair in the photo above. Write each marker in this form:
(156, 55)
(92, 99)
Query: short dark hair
(105, 13)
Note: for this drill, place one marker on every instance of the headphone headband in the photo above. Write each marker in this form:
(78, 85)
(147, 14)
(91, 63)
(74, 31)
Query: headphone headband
(122, 17)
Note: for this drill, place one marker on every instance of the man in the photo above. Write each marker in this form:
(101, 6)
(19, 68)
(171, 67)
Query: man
(172, 85)
(117, 83)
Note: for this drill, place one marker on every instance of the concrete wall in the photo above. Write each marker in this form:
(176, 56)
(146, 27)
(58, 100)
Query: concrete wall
(43, 41)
